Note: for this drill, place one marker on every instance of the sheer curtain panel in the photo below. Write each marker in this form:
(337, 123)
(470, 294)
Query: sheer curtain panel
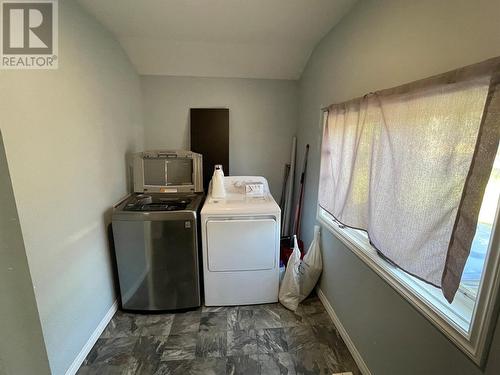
(409, 165)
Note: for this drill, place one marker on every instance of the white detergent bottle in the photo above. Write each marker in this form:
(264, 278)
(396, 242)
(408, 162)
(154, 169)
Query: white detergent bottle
(218, 190)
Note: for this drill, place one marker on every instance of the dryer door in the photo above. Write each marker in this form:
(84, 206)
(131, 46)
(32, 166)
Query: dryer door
(241, 245)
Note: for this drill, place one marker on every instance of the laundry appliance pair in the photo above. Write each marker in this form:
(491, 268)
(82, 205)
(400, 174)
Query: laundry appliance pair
(157, 232)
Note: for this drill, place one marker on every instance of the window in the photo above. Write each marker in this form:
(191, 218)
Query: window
(464, 311)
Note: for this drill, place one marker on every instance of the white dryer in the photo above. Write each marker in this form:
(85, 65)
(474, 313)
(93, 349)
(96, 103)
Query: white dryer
(240, 237)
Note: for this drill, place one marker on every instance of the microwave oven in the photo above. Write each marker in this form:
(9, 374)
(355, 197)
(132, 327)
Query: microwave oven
(175, 171)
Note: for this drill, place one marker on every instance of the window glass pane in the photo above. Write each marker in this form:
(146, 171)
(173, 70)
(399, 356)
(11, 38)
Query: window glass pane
(471, 276)
(179, 171)
(459, 312)
(154, 172)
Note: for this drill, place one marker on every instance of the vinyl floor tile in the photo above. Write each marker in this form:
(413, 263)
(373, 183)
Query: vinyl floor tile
(186, 322)
(319, 318)
(267, 317)
(272, 340)
(211, 344)
(241, 319)
(208, 309)
(122, 325)
(201, 366)
(241, 342)
(312, 361)
(243, 365)
(213, 321)
(149, 351)
(179, 367)
(154, 325)
(251, 340)
(179, 347)
(276, 364)
(130, 368)
(299, 338)
(290, 319)
(208, 366)
(114, 351)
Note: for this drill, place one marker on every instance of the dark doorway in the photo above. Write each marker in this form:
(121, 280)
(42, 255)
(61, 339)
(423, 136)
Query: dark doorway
(210, 137)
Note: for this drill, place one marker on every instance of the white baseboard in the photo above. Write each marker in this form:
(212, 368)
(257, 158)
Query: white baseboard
(92, 340)
(343, 333)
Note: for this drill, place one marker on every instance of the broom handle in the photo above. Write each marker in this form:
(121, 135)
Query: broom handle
(298, 212)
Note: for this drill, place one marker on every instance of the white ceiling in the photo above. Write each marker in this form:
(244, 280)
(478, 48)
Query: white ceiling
(219, 38)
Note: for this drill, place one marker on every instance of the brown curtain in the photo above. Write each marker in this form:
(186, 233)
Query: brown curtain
(409, 165)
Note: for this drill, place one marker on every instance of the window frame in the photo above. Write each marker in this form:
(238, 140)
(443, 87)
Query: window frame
(476, 342)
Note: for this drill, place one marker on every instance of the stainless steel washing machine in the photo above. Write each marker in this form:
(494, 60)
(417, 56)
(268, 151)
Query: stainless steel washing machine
(156, 236)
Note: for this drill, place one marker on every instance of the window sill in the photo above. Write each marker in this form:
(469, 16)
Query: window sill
(453, 323)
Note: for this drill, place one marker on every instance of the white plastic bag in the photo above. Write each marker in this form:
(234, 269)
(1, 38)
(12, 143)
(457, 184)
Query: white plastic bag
(301, 275)
(290, 287)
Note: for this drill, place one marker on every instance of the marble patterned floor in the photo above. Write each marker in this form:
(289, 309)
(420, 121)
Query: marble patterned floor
(258, 339)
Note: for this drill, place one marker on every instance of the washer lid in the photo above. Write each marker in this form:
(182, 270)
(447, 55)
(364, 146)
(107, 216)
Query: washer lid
(163, 206)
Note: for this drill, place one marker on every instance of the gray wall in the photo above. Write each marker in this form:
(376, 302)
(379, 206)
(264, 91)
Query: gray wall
(381, 44)
(22, 349)
(66, 133)
(262, 119)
